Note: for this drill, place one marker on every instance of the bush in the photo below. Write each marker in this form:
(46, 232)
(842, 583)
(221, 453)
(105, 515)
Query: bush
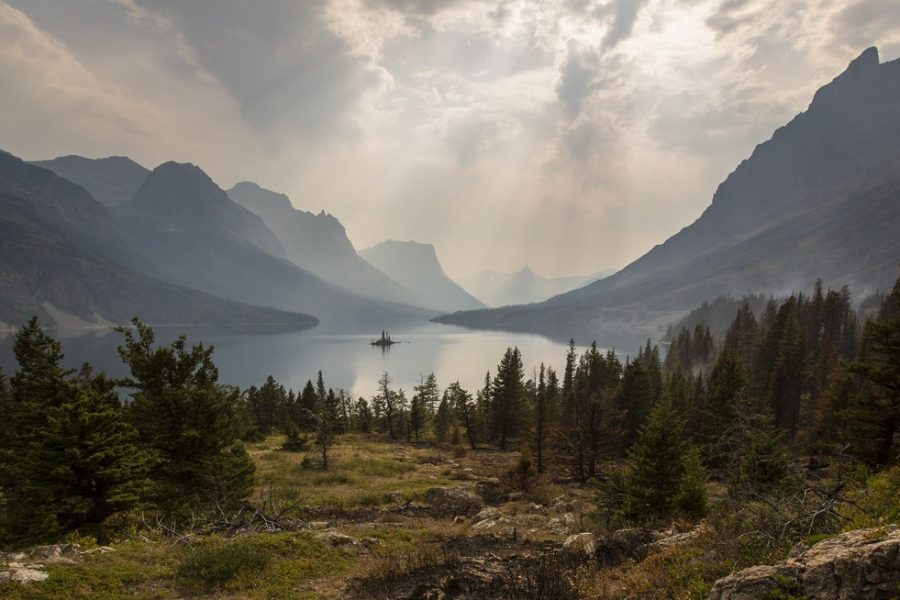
(215, 563)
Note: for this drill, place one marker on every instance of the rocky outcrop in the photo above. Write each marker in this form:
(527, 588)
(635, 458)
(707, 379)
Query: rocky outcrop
(454, 501)
(28, 567)
(862, 564)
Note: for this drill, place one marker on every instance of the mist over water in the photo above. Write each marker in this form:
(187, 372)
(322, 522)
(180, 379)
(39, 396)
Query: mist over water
(347, 360)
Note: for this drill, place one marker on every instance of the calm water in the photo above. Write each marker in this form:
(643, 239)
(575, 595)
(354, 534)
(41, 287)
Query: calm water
(347, 361)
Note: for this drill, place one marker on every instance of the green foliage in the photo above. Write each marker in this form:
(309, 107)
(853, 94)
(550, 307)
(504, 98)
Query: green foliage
(663, 471)
(691, 499)
(443, 420)
(189, 420)
(508, 398)
(213, 564)
(70, 459)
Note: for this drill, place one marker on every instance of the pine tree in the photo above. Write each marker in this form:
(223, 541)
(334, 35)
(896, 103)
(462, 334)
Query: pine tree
(508, 398)
(443, 420)
(188, 419)
(878, 403)
(70, 460)
(726, 385)
(88, 465)
(417, 415)
(460, 401)
(656, 466)
(308, 405)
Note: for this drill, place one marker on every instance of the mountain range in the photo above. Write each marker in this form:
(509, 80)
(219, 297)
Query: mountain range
(416, 266)
(65, 259)
(821, 198)
(319, 243)
(523, 286)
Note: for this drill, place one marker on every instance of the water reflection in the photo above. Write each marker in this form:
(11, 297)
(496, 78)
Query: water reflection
(348, 360)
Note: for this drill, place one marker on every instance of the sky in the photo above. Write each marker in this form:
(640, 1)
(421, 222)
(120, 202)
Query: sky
(569, 135)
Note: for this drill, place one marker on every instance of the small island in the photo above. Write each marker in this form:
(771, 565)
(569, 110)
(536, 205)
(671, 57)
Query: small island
(384, 341)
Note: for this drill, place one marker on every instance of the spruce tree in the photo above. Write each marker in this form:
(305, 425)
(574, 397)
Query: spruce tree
(184, 415)
(508, 398)
(443, 419)
(656, 466)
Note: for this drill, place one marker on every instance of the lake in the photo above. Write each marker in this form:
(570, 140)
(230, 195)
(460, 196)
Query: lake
(347, 360)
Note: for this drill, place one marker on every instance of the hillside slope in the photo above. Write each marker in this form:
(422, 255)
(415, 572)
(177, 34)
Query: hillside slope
(111, 181)
(821, 198)
(64, 259)
(189, 229)
(318, 243)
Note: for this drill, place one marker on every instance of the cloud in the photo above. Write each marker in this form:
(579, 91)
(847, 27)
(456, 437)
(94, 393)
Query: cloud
(568, 134)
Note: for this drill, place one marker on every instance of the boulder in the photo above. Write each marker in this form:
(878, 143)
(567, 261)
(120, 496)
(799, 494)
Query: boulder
(454, 501)
(580, 544)
(56, 553)
(17, 573)
(862, 564)
(489, 512)
(489, 490)
(624, 544)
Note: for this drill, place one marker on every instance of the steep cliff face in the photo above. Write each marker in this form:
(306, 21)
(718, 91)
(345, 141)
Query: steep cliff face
(318, 243)
(416, 266)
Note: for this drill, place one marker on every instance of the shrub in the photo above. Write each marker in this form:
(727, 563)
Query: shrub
(215, 563)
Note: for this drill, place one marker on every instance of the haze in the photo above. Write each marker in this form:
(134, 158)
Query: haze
(570, 135)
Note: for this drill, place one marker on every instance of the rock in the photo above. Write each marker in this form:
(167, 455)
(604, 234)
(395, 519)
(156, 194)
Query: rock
(454, 501)
(624, 544)
(863, 564)
(484, 524)
(18, 573)
(676, 539)
(562, 504)
(318, 524)
(99, 550)
(580, 544)
(337, 539)
(513, 496)
(488, 512)
(56, 552)
(489, 489)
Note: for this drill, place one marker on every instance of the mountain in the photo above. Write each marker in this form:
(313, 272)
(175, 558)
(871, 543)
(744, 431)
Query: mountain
(111, 181)
(194, 234)
(64, 259)
(416, 266)
(317, 243)
(821, 198)
(181, 198)
(523, 286)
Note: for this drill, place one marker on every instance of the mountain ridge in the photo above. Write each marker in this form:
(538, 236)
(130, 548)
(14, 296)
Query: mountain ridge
(833, 164)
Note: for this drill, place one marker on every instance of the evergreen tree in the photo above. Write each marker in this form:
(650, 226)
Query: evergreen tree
(878, 403)
(508, 398)
(427, 388)
(443, 419)
(188, 419)
(726, 385)
(362, 416)
(759, 465)
(308, 407)
(69, 458)
(326, 424)
(656, 467)
(417, 415)
(635, 398)
(87, 464)
(461, 403)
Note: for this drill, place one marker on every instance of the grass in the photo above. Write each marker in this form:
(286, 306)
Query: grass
(282, 565)
(360, 474)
